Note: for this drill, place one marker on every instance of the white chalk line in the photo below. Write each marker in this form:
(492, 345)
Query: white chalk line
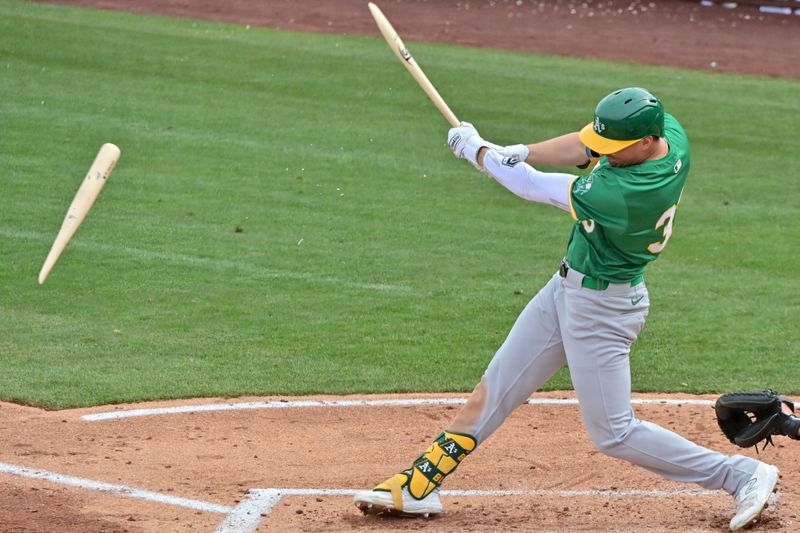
(113, 415)
(247, 515)
(123, 490)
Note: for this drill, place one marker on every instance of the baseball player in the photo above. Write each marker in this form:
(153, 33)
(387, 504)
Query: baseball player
(592, 309)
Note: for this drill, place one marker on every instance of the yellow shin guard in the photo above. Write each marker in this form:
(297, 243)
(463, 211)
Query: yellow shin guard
(439, 460)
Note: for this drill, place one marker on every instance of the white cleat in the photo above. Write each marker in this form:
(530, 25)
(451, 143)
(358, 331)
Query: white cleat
(752, 498)
(382, 502)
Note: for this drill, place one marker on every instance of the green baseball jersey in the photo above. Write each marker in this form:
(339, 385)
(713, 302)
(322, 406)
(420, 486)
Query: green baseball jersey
(625, 215)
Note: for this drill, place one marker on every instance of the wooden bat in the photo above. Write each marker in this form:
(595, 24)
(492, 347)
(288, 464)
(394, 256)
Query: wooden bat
(402, 53)
(98, 173)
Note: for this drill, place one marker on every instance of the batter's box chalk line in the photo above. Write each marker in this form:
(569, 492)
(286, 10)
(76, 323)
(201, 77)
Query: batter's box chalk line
(405, 402)
(259, 503)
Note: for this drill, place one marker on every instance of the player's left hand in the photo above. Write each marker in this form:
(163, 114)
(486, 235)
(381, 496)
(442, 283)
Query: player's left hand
(520, 152)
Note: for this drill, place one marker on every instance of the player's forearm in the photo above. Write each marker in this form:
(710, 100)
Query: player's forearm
(525, 181)
(563, 151)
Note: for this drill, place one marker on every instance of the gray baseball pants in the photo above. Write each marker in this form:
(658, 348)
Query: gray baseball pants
(592, 332)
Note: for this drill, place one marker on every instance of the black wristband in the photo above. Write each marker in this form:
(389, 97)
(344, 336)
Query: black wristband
(790, 425)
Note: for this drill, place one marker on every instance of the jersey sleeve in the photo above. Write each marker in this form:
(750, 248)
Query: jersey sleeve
(597, 197)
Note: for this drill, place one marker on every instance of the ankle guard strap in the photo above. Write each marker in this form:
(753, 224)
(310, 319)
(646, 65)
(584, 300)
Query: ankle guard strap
(439, 460)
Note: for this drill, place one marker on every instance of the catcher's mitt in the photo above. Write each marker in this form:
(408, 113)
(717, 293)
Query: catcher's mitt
(747, 418)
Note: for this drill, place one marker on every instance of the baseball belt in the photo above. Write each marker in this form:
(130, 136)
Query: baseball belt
(597, 284)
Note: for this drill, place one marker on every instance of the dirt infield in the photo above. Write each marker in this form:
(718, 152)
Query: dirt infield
(229, 470)
(50, 463)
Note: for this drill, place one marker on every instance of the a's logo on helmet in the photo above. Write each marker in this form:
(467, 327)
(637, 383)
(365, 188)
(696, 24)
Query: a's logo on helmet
(599, 127)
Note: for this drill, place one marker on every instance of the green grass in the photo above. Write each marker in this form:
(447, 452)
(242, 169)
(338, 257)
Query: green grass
(369, 259)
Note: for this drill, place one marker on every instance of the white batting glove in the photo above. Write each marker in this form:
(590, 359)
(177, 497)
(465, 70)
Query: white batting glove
(457, 138)
(517, 151)
(465, 142)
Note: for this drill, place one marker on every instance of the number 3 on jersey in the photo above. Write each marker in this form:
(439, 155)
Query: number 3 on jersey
(666, 220)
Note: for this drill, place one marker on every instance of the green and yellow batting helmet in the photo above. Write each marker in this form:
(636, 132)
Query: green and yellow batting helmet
(622, 118)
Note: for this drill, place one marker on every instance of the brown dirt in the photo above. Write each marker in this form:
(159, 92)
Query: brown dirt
(217, 457)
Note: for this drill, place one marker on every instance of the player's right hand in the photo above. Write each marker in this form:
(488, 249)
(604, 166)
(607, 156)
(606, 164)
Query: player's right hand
(457, 138)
